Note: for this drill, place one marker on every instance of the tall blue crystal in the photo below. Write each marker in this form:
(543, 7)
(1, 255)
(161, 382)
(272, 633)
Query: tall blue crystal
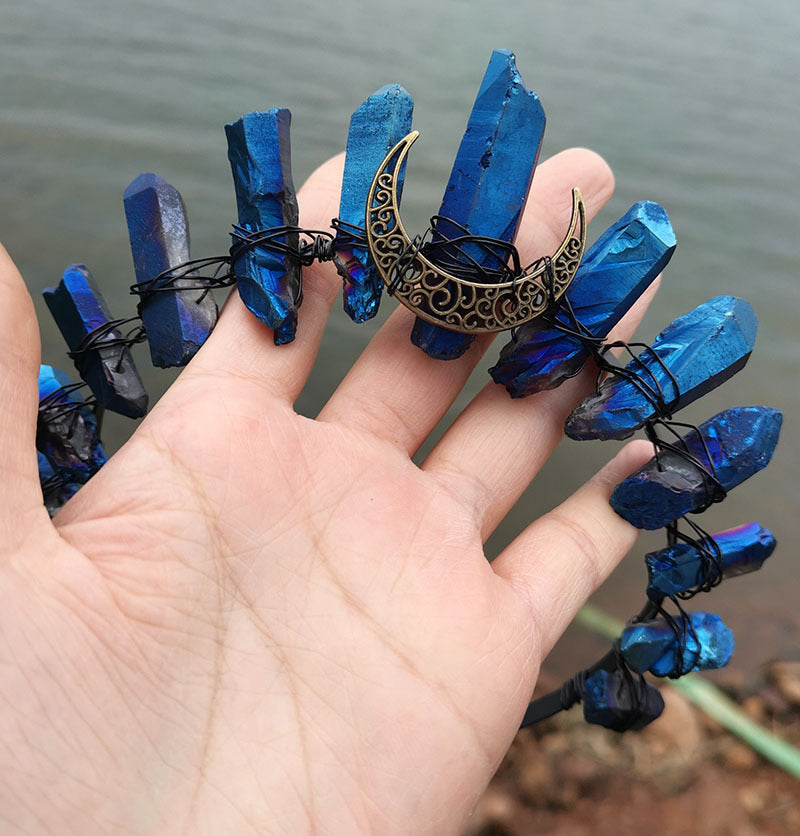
(269, 282)
(738, 443)
(691, 356)
(78, 307)
(66, 429)
(490, 179)
(675, 649)
(177, 321)
(685, 566)
(619, 701)
(376, 127)
(617, 269)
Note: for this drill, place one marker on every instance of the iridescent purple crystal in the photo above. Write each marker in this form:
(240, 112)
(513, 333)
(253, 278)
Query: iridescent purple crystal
(684, 566)
(490, 179)
(268, 280)
(79, 309)
(691, 356)
(66, 429)
(376, 127)
(177, 321)
(673, 649)
(733, 445)
(615, 271)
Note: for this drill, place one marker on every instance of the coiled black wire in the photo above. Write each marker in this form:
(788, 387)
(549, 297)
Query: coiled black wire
(103, 337)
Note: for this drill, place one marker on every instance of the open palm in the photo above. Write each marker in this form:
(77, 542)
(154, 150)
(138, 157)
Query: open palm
(250, 621)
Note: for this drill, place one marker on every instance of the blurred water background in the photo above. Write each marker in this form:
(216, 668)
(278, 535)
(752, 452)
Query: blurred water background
(693, 105)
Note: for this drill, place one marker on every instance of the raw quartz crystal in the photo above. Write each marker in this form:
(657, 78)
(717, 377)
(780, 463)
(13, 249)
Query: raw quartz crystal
(677, 648)
(740, 441)
(78, 307)
(615, 271)
(490, 179)
(177, 321)
(375, 128)
(56, 490)
(66, 429)
(684, 566)
(620, 701)
(269, 282)
(691, 356)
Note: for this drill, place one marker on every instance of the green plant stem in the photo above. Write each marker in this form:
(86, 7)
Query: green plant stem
(710, 699)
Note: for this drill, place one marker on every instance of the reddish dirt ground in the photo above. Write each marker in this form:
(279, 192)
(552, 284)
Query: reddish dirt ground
(682, 775)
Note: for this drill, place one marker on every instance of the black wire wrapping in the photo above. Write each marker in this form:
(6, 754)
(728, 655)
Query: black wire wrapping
(57, 422)
(452, 255)
(57, 408)
(652, 390)
(573, 691)
(637, 688)
(644, 379)
(186, 272)
(57, 405)
(683, 630)
(348, 235)
(710, 575)
(319, 245)
(101, 337)
(714, 489)
(53, 485)
(304, 246)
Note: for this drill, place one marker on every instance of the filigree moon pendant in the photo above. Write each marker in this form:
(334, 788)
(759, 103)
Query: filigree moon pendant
(443, 298)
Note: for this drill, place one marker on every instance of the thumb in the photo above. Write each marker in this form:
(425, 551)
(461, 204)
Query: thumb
(19, 399)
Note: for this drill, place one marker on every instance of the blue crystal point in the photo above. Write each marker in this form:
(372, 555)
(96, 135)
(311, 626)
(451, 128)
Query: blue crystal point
(66, 429)
(701, 644)
(740, 442)
(78, 307)
(615, 271)
(619, 701)
(376, 127)
(679, 568)
(490, 179)
(698, 351)
(177, 323)
(260, 155)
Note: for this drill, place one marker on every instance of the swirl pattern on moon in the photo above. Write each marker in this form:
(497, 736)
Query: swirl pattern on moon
(440, 297)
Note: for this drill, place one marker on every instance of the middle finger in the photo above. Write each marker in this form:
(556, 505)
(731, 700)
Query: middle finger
(398, 393)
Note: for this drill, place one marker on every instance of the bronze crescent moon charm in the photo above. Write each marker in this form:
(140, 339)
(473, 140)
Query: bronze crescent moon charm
(447, 300)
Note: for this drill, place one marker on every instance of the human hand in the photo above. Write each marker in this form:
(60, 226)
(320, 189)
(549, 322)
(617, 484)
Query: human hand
(250, 621)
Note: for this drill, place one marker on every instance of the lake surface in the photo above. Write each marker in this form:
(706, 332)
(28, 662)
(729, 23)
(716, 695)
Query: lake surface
(693, 105)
